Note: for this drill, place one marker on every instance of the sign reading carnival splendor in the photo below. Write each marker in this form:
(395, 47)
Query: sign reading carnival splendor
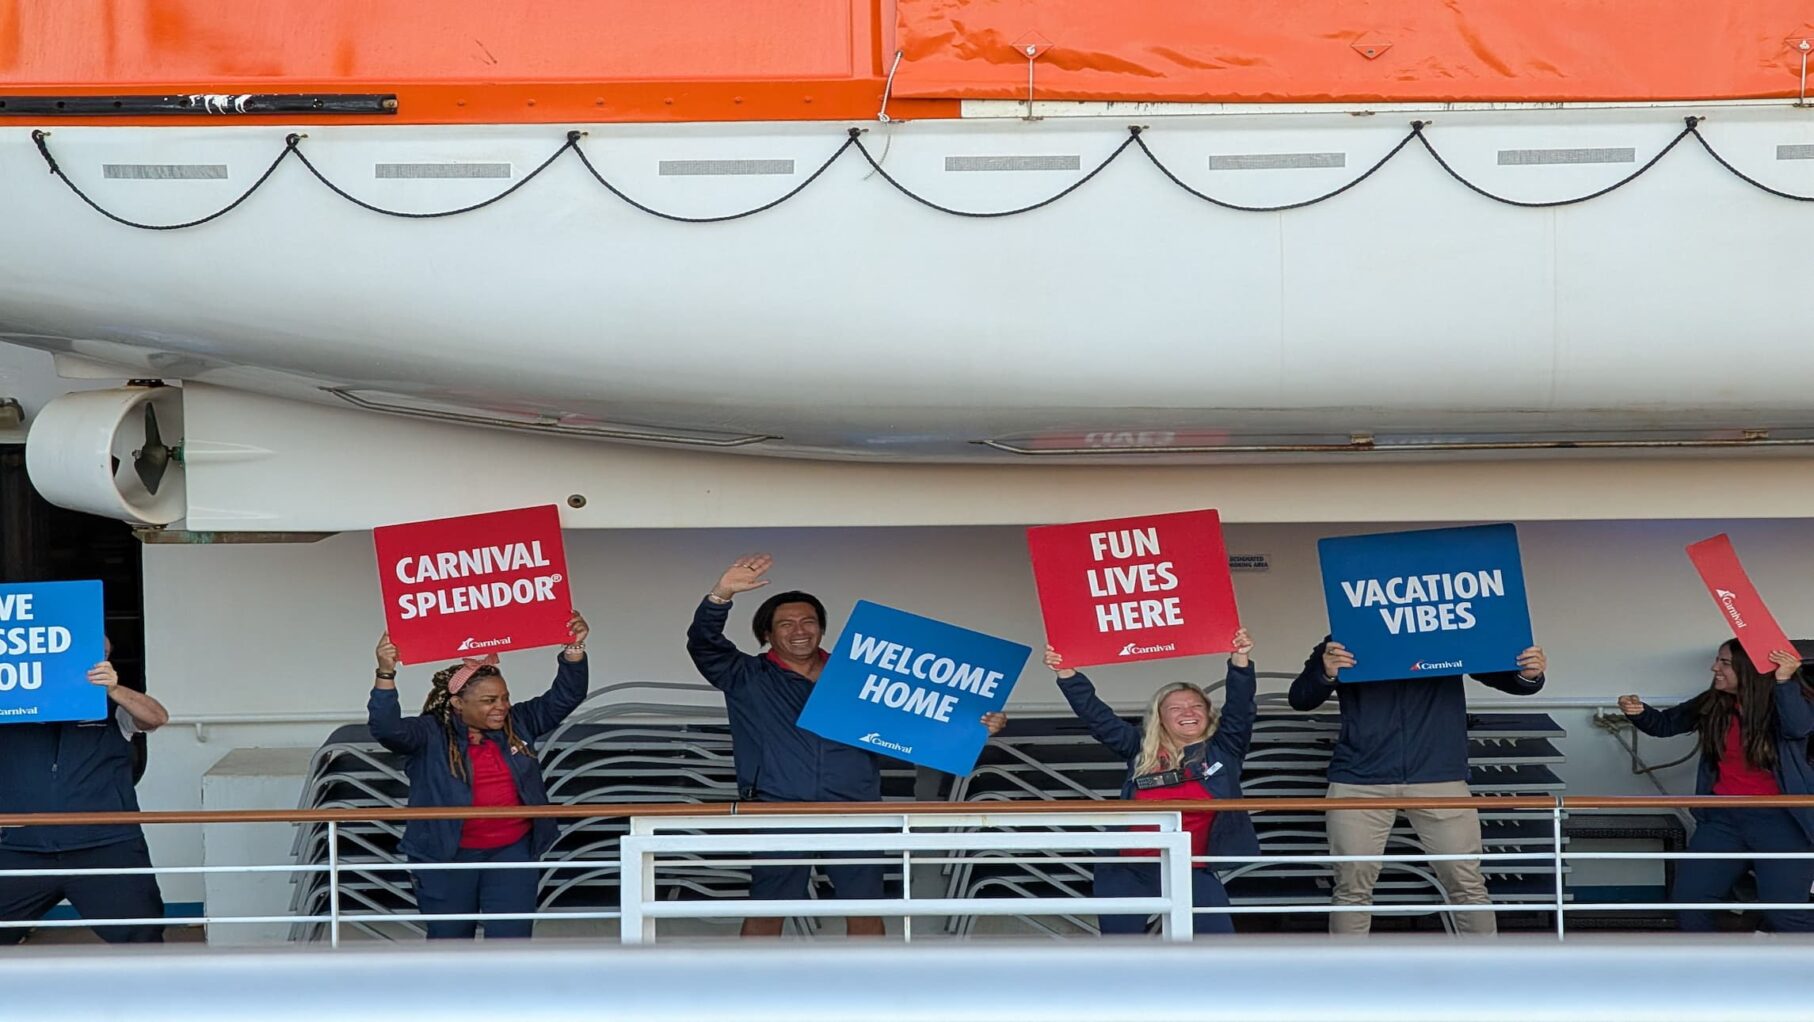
(476, 584)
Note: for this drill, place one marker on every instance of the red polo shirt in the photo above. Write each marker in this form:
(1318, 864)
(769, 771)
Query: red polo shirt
(775, 658)
(1737, 777)
(1196, 824)
(492, 785)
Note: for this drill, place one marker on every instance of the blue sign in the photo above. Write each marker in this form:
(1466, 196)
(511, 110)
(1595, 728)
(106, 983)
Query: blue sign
(1436, 601)
(51, 634)
(913, 688)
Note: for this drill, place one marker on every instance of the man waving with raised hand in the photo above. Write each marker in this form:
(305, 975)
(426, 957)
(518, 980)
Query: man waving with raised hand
(777, 761)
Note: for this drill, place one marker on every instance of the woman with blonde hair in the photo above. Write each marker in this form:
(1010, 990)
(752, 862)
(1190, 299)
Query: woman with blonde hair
(1183, 750)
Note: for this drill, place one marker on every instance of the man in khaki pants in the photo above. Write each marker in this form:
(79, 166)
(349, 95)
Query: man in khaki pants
(1403, 739)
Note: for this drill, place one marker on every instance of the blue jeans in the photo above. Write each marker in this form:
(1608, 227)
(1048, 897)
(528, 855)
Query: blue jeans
(1780, 881)
(1141, 880)
(471, 891)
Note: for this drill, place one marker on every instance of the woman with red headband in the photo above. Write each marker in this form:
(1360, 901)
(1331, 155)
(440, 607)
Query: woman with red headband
(471, 747)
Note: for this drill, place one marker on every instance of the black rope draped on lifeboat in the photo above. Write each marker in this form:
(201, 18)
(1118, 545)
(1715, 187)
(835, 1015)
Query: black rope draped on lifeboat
(853, 140)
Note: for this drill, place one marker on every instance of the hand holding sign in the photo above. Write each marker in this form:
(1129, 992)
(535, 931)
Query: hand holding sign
(104, 675)
(388, 657)
(1788, 664)
(1335, 657)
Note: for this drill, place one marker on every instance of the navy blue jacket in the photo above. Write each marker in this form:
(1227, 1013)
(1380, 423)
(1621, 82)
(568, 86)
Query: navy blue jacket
(70, 767)
(777, 761)
(1230, 833)
(1794, 724)
(423, 742)
(1411, 731)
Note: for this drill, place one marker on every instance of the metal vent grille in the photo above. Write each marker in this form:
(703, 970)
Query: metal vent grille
(164, 171)
(397, 171)
(723, 168)
(1277, 161)
(1549, 157)
(969, 163)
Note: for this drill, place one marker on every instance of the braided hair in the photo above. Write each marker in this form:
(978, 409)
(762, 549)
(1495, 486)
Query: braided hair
(439, 704)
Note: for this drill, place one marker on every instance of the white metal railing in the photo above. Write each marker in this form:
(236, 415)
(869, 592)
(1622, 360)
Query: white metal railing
(649, 838)
(910, 835)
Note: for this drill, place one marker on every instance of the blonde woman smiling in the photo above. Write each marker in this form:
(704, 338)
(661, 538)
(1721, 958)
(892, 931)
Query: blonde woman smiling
(1183, 750)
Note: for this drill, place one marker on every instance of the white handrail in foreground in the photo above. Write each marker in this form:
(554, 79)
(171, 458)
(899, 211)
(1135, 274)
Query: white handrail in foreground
(639, 849)
(1669, 979)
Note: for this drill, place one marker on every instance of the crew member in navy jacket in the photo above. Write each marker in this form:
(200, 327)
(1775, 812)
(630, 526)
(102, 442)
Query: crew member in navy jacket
(79, 767)
(1404, 739)
(1753, 735)
(776, 760)
(471, 747)
(1182, 751)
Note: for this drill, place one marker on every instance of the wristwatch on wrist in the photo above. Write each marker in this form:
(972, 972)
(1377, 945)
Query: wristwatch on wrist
(388, 675)
(715, 599)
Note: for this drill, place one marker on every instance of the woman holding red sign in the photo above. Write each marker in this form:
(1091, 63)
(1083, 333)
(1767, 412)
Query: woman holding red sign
(471, 747)
(1753, 733)
(1183, 750)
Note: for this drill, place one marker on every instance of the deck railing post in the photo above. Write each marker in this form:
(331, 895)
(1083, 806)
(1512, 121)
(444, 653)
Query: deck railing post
(333, 884)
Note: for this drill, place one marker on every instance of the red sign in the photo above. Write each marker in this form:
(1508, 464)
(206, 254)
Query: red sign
(477, 584)
(1131, 589)
(1738, 601)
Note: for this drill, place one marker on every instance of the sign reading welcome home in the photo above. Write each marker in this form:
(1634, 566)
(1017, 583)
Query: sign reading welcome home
(913, 688)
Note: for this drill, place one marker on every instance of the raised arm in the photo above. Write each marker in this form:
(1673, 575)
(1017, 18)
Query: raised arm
(1106, 726)
(1316, 682)
(384, 715)
(147, 713)
(1234, 732)
(538, 716)
(717, 658)
(1794, 714)
(1526, 680)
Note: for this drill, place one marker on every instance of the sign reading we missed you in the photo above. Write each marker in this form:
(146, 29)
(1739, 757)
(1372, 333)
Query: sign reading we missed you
(476, 584)
(1434, 601)
(51, 634)
(1129, 589)
(1739, 603)
(913, 688)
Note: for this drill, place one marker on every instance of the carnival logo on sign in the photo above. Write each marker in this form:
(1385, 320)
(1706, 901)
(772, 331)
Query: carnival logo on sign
(1726, 596)
(1135, 649)
(875, 738)
(1436, 665)
(471, 643)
